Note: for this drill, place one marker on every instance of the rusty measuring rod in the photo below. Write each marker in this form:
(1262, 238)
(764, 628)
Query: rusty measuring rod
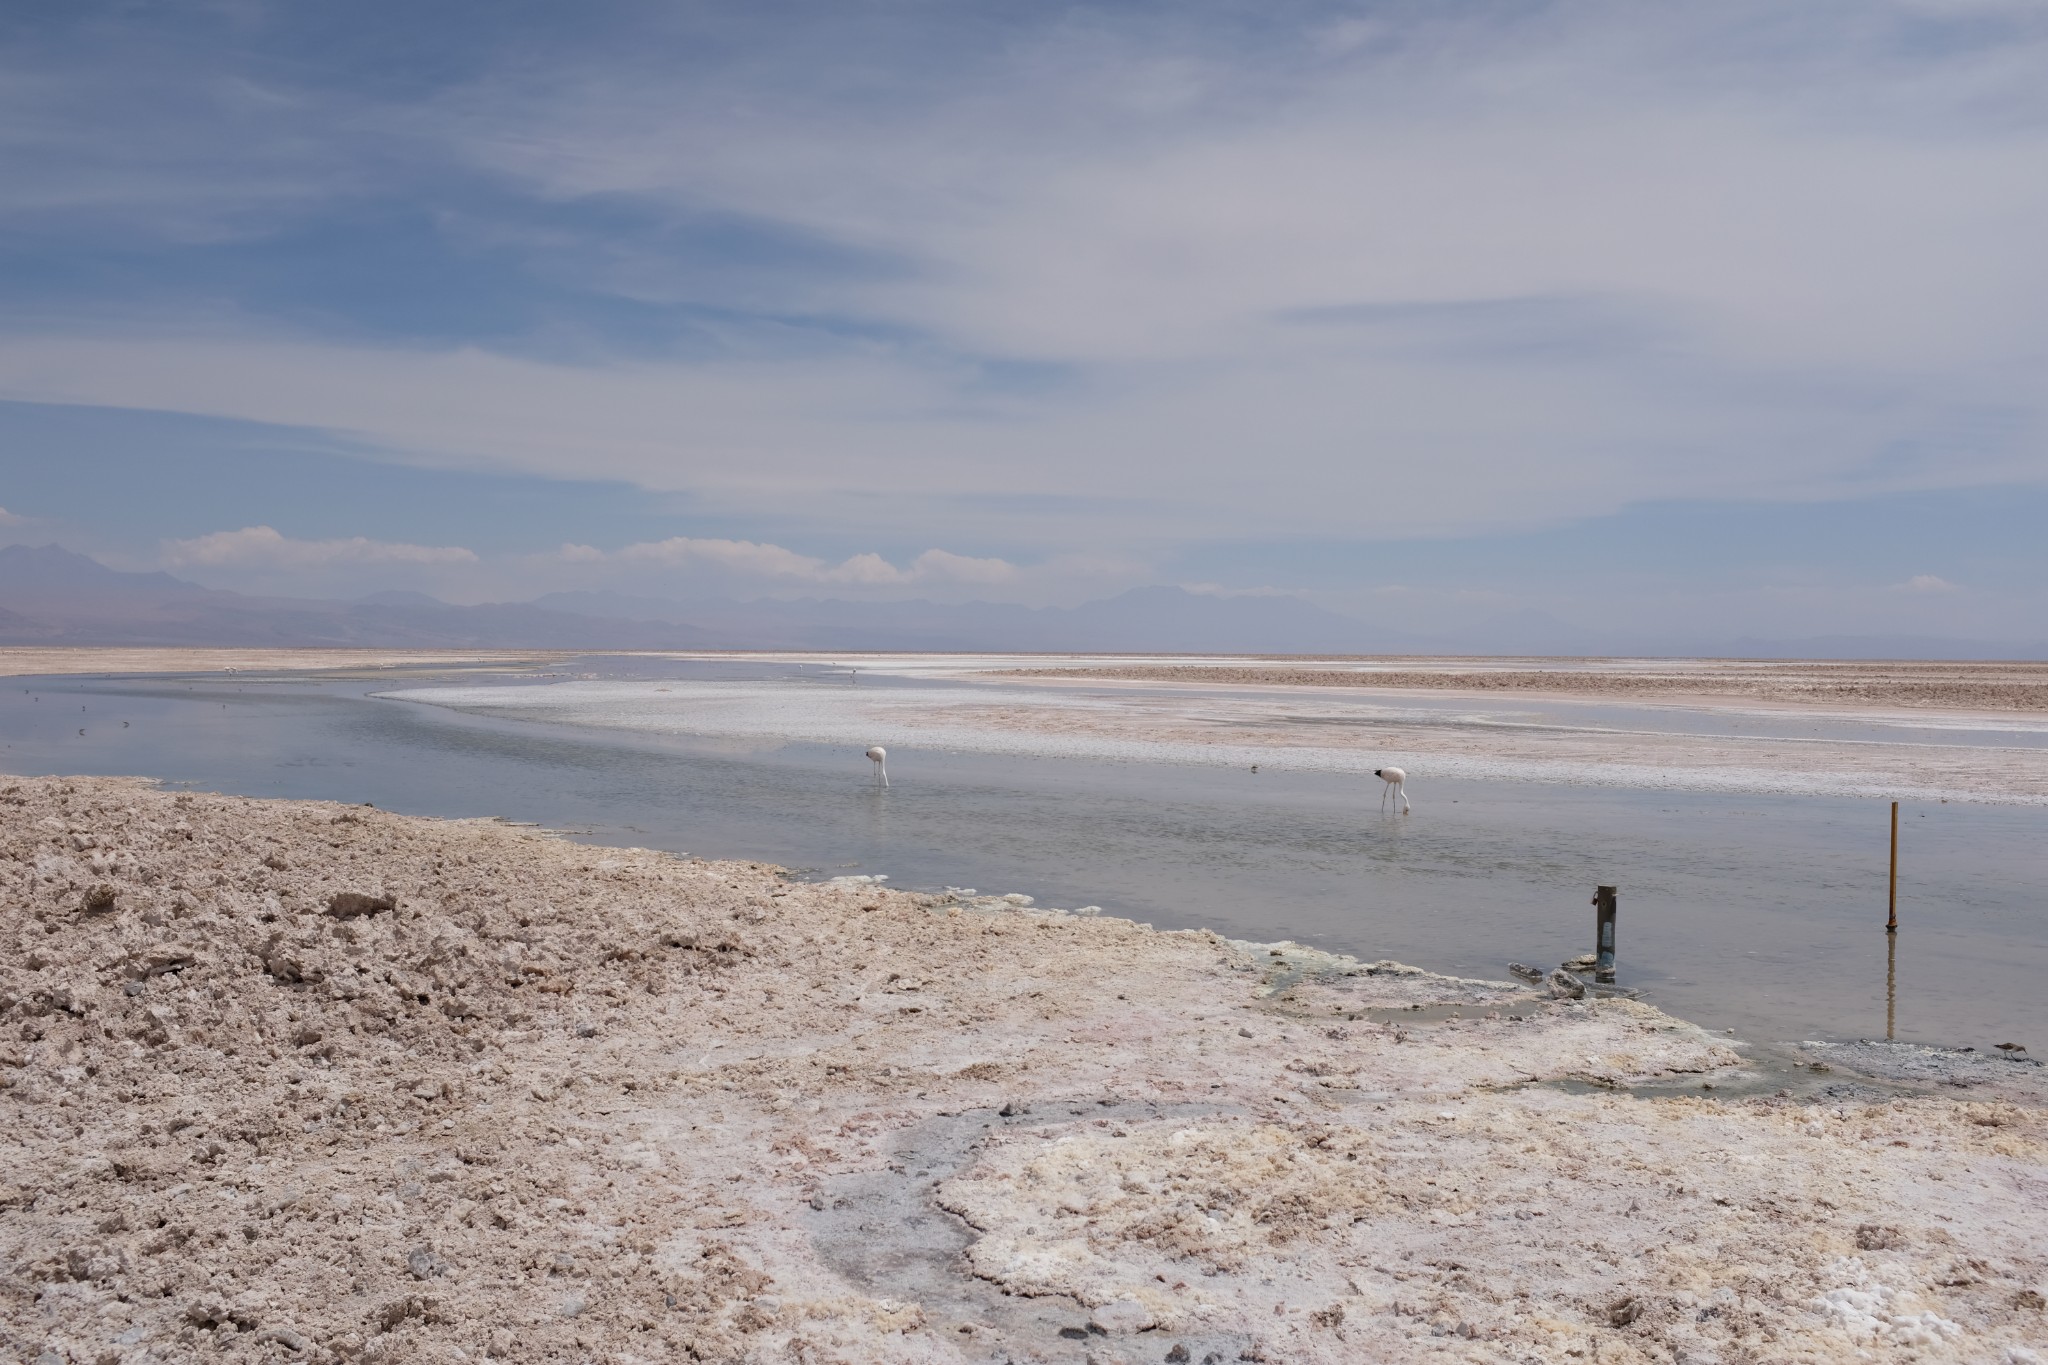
(1891, 923)
(1603, 934)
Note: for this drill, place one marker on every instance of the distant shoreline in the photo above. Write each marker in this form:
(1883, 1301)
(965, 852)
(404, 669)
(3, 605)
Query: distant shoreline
(1992, 687)
(1988, 686)
(1757, 726)
(64, 661)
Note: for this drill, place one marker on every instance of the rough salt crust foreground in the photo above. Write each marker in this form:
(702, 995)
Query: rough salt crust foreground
(298, 1081)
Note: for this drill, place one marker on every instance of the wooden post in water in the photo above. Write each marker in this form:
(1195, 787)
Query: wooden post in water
(1603, 933)
(1891, 924)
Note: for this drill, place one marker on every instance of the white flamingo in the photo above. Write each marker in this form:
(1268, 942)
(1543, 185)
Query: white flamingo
(1395, 780)
(881, 758)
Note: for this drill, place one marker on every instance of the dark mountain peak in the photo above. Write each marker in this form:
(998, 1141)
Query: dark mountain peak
(401, 597)
(54, 567)
(1157, 592)
(603, 602)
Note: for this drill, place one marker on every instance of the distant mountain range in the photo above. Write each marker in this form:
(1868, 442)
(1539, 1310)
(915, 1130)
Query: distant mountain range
(1152, 620)
(51, 596)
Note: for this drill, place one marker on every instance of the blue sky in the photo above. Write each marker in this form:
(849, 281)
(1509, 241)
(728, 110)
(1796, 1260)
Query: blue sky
(1727, 317)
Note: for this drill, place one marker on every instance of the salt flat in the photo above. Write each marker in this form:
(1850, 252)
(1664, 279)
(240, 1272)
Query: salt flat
(1699, 726)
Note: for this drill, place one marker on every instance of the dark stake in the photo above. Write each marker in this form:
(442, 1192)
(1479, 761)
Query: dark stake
(1891, 923)
(1603, 938)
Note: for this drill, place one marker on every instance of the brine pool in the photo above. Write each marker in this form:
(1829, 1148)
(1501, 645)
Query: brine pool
(1761, 913)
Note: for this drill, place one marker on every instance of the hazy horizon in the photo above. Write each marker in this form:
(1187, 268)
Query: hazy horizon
(54, 596)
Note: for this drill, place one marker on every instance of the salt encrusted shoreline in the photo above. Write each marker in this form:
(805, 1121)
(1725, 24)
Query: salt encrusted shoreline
(293, 1080)
(1335, 729)
(1964, 686)
(17, 661)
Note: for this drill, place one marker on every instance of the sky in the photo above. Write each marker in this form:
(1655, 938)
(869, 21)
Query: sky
(1637, 315)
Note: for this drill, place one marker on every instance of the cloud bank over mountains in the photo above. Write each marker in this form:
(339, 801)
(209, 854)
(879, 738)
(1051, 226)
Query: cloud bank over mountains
(746, 557)
(265, 548)
(55, 597)
(262, 546)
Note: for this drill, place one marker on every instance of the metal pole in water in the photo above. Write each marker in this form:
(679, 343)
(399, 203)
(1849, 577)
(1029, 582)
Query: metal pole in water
(1891, 924)
(1603, 937)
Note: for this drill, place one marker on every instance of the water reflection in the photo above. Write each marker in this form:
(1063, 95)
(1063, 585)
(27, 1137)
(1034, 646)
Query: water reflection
(1891, 986)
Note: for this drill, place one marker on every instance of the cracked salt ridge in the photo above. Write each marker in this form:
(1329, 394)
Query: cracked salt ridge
(1779, 1070)
(752, 711)
(1812, 1072)
(1931, 1069)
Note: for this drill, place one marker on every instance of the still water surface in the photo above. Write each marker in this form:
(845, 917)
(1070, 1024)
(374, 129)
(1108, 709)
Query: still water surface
(1762, 914)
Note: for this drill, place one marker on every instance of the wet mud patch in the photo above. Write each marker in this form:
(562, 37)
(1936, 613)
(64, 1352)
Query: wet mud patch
(1868, 1071)
(1319, 982)
(887, 1234)
(2008, 1075)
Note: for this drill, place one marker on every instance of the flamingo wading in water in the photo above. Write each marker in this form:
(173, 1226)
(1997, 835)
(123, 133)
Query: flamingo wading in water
(881, 758)
(1395, 780)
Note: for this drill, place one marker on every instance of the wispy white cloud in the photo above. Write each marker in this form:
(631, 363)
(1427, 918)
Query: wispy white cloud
(1927, 582)
(750, 559)
(739, 556)
(265, 547)
(1302, 441)
(8, 518)
(948, 567)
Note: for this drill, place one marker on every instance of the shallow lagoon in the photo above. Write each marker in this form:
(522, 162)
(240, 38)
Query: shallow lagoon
(1761, 913)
